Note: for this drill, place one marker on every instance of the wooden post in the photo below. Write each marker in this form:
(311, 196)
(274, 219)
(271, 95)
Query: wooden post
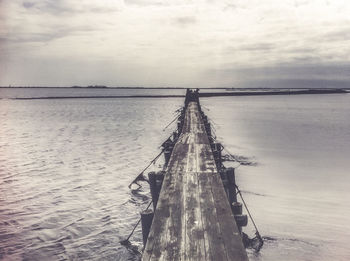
(232, 196)
(205, 119)
(167, 153)
(241, 221)
(207, 128)
(216, 147)
(179, 126)
(211, 142)
(168, 146)
(146, 222)
(224, 180)
(153, 188)
(155, 184)
(236, 208)
(175, 136)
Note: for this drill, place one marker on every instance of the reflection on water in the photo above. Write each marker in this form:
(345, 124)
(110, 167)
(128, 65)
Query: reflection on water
(65, 167)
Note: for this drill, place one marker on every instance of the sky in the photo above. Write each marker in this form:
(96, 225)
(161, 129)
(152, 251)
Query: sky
(175, 43)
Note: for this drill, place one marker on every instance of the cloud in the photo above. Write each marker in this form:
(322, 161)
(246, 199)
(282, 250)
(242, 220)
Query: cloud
(62, 7)
(145, 2)
(286, 75)
(337, 35)
(178, 42)
(47, 20)
(185, 20)
(28, 5)
(54, 7)
(48, 35)
(301, 83)
(260, 47)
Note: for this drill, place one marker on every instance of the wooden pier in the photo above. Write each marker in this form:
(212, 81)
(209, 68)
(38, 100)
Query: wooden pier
(192, 216)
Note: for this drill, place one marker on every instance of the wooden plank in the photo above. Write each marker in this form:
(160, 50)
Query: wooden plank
(195, 248)
(193, 220)
(216, 247)
(232, 240)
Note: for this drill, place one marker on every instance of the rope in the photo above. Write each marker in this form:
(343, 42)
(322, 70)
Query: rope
(214, 124)
(179, 110)
(229, 154)
(251, 218)
(140, 176)
(176, 117)
(205, 108)
(126, 241)
(232, 157)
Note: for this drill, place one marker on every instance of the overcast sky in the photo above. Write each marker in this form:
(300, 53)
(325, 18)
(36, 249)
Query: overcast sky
(237, 43)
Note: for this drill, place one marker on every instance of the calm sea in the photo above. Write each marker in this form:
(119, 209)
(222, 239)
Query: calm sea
(65, 166)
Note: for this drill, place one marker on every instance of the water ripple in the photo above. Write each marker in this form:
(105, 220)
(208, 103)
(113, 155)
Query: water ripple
(64, 170)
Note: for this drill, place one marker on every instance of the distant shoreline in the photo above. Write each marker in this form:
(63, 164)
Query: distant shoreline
(101, 97)
(101, 88)
(201, 94)
(170, 88)
(290, 92)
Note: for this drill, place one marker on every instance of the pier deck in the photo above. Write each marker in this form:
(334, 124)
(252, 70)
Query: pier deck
(193, 219)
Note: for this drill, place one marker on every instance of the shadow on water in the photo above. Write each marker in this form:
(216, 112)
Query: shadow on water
(133, 251)
(245, 161)
(242, 160)
(138, 195)
(256, 194)
(275, 242)
(268, 239)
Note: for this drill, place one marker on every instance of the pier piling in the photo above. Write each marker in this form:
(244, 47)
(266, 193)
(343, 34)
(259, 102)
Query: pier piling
(155, 183)
(146, 222)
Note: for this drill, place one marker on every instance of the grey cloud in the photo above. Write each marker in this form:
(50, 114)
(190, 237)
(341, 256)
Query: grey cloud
(166, 3)
(305, 83)
(272, 46)
(298, 3)
(263, 47)
(3, 40)
(307, 59)
(313, 70)
(60, 7)
(339, 35)
(55, 7)
(230, 6)
(28, 5)
(258, 47)
(145, 2)
(298, 55)
(289, 75)
(185, 20)
(233, 6)
(52, 34)
(301, 50)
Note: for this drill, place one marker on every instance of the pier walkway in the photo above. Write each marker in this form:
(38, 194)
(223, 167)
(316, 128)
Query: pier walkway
(193, 218)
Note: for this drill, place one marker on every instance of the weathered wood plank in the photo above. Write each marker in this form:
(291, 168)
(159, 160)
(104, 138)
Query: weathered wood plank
(232, 240)
(216, 247)
(193, 220)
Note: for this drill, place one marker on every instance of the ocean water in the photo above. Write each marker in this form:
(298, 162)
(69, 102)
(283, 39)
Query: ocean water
(298, 190)
(65, 167)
